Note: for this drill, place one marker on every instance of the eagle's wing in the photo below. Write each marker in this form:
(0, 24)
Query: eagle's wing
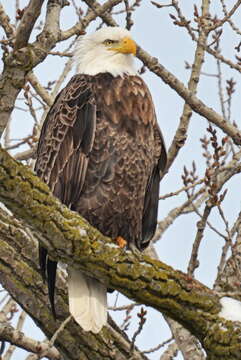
(149, 219)
(62, 157)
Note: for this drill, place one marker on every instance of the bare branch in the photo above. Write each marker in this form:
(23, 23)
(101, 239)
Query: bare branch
(201, 224)
(30, 15)
(12, 347)
(187, 344)
(170, 353)
(158, 347)
(5, 23)
(45, 350)
(235, 28)
(17, 338)
(227, 16)
(196, 104)
(129, 21)
(97, 10)
(26, 155)
(39, 89)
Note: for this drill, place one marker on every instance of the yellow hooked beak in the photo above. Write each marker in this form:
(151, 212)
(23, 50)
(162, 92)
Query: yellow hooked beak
(124, 46)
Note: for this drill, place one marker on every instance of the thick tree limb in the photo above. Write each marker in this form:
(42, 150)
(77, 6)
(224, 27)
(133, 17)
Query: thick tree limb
(21, 277)
(69, 238)
(184, 341)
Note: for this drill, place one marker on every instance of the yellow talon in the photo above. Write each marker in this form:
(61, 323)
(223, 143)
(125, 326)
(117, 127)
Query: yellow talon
(121, 242)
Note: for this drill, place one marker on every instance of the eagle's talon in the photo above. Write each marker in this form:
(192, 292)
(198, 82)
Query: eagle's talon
(121, 242)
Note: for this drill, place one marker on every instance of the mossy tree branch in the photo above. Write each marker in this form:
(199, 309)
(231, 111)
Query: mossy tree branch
(69, 238)
(21, 278)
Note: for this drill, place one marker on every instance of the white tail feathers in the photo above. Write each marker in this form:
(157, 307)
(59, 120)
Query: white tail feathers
(87, 301)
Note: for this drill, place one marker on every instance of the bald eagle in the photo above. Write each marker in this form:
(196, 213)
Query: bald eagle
(101, 153)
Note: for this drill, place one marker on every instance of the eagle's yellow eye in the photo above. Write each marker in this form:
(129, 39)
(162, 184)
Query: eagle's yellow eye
(109, 42)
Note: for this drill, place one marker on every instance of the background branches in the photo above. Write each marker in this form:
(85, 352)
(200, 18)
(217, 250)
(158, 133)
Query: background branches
(194, 79)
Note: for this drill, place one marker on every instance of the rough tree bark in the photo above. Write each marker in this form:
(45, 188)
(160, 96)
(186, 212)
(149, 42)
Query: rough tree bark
(20, 276)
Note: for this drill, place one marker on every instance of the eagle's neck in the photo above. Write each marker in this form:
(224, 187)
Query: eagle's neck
(95, 62)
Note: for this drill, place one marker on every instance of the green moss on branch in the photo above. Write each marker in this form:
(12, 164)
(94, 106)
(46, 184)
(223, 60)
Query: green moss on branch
(68, 237)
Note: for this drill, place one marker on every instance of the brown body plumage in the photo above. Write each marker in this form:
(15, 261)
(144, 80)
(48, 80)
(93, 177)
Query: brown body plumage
(102, 159)
(101, 153)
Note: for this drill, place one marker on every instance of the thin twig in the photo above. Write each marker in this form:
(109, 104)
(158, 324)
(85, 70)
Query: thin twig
(50, 343)
(158, 347)
(220, 89)
(124, 307)
(171, 352)
(32, 78)
(142, 317)
(201, 225)
(235, 28)
(129, 22)
(227, 16)
(184, 188)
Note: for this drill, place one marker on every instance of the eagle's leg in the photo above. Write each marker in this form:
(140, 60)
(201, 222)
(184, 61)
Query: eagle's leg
(136, 252)
(121, 242)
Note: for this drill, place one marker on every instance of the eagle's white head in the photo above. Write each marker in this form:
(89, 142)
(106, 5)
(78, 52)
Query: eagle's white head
(109, 49)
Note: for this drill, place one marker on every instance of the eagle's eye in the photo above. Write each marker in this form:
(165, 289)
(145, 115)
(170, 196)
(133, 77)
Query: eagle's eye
(109, 42)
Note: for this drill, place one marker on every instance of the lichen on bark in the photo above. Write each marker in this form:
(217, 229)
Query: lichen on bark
(69, 238)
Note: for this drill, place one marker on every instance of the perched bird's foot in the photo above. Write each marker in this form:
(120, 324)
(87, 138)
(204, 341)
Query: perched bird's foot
(134, 250)
(121, 242)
